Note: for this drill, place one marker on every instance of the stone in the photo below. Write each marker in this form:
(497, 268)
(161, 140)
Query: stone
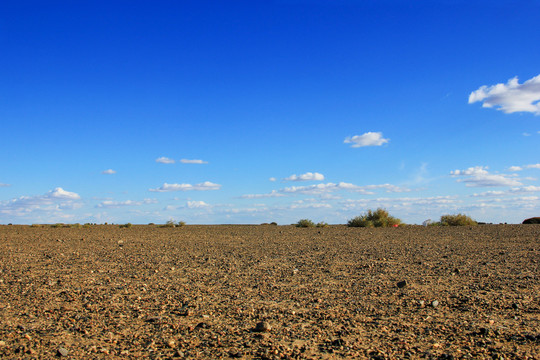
(62, 352)
(402, 284)
(262, 326)
(435, 303)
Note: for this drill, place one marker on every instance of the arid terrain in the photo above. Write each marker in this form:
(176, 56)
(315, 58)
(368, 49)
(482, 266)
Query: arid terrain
(270, 292)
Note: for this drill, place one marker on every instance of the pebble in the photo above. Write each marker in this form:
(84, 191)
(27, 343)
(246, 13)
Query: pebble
(435, 303)
(262, 326)
(402, 284)
(62, 351)
(2, 343)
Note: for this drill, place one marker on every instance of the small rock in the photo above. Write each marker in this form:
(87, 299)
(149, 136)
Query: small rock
(435, 303)
(62, 351)
(2, 343)
(515, 306)
(402, 284)
(262, 326)
(422, 303)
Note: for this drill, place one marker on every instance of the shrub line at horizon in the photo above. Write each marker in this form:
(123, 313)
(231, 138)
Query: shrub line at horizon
(377, 218)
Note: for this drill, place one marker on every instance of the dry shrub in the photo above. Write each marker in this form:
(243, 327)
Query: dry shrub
(377, 218)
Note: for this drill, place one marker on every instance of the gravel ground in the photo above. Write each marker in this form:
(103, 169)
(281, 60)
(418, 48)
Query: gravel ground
(270, 292)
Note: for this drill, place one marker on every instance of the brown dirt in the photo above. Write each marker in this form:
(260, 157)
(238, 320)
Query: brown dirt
(201, 292)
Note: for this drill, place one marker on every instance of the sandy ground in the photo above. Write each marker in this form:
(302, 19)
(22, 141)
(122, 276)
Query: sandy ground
(270, 292)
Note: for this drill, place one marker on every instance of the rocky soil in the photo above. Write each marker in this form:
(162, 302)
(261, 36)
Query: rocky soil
(270, 292)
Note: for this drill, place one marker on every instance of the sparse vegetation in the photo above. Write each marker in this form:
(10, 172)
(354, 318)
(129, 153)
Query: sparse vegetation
(181, 223)
(457, 220)
(377, 218)
(322, 224)
(304, 223)
(128, 225)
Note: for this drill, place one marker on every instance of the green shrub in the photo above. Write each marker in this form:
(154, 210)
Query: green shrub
(273, 223)
(457, 220)
(181, 223)
(57, 225)
(305, 223)
(322, 224)
(128, 225)
(377, 218)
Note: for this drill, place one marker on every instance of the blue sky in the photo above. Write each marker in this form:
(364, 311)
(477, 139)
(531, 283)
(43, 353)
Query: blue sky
(247, 112)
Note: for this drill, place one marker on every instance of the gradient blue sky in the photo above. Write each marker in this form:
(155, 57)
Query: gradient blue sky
(249, 112)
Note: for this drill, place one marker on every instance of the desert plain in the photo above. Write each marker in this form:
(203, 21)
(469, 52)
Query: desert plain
(270, 292)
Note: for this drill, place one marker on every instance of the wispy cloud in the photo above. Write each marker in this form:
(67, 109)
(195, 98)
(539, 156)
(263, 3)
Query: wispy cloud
(331, 187)
(520, 168)
(108, 172)
(207, 185)
(367, 139)
(478, 176)
(272, 179)
(117, 204)
(193, 161)
(309, 176)
(272, 194)
(4, 185)
(165, 160)
(510, 97)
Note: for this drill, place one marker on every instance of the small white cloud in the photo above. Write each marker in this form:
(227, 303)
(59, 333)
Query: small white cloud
(108, 172)
(515, 168)
(272, 179)
(165, 160)
(207, 185)
(510, 97)
(4, 185)
(532, 166)
(197, 205)
(117, 204)
(309, 176)
(59, 193)
(526, 134)
(478, 176)
(367, 139)
(272, 194)
(520, 168)
(193, 161)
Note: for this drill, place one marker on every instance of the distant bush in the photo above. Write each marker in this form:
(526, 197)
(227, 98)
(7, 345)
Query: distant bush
(273, 223)
(181, 223)
(322, 224)
(58, 225)
(457, 220)
(377, 218)
(534, 220)
(76, 225)
(151, 224)
(128, 225)
(304, 223)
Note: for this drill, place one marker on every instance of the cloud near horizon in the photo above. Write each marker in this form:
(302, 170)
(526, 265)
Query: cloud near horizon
(207, 185)
(117, 204)
(510, 97)
(367, 139)
(53, 201)
(309, 176)
(478, 176)
(108, 172)
(4, 185)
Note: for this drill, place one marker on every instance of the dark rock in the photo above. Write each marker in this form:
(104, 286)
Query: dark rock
(262, 326)
(402, 284)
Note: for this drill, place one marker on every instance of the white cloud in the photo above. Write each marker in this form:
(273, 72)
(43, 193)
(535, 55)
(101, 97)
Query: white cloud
(108, 172)
(207, 185)
(478, 176)
(165, 160)
(309, 176)
(520, 168)
(331, 187)
(197, 205)
(525, 189)
(367, 139)
(4, 185)
(272, 194)
(117, 204)
(194, 161)
(272, 179)
(53, 201)
(510, 97)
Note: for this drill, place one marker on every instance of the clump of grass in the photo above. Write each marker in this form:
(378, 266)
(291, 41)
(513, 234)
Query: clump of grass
(181, 223)
(322, 224)
(457, 220)
(57, 225)
(377, 218)
(76, 225)
(304, 223)
(128, 225)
